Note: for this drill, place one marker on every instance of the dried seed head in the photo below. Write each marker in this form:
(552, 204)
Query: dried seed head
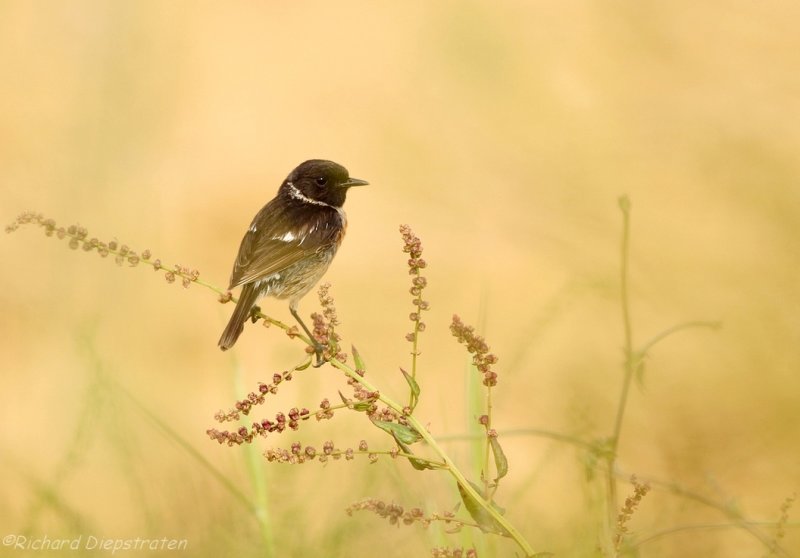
(482, 358)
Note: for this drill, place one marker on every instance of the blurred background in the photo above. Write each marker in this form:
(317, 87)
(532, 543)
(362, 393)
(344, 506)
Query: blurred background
(504, 133)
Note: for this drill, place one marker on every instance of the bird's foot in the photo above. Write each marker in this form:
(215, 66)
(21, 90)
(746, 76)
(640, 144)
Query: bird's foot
(254, 312)
(319, 353)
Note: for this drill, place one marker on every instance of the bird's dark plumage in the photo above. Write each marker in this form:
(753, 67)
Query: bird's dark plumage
(291, 241)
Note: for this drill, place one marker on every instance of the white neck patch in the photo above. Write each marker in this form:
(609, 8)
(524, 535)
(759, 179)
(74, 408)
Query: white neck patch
(298, 195)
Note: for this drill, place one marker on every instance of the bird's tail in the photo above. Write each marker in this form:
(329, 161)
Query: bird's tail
(241, 313)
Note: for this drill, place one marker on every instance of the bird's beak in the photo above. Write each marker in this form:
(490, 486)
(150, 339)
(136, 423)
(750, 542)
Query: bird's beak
(354, 182)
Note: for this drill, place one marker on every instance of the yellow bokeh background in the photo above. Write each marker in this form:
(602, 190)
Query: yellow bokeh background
(504, 133)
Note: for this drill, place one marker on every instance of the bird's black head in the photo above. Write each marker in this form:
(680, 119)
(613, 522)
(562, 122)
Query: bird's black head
(319, 181)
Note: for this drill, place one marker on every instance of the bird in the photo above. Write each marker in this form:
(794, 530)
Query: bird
(290, 243)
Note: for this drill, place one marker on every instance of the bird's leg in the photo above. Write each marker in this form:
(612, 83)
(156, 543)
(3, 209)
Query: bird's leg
(254, 312)
(318, 347)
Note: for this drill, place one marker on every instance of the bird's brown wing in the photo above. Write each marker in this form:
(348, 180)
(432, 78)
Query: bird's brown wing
(279, 238)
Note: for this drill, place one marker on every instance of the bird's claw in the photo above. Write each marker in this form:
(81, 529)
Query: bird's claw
(254, 312)
(319, 351)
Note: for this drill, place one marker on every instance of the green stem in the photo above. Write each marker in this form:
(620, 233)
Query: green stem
(253, 460)
(626, 320)
(414, 358)
(449, 465)
(188, 448)
(433, 463)
(675, 329)
(629, 366)
(724, 507)
(486, 491)
(709, 526)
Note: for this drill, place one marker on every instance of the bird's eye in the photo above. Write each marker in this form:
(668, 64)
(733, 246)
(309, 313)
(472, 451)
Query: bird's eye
(321, 180)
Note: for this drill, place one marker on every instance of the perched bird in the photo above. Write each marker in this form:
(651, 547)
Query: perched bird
(291, 242)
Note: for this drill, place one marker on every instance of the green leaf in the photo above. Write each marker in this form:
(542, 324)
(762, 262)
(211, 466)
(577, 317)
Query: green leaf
(500, 461)
(360, 406)
(405, 434)
(357, 359)
(482, 517)
(412, 383)
(418, 464)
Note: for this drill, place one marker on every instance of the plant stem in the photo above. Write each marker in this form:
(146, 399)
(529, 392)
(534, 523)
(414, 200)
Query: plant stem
(173, 435)
(675, 329)
(450, 466)
(486, 492)
(629, 364)
(725, 507)
(414, 356)
(259, 482)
